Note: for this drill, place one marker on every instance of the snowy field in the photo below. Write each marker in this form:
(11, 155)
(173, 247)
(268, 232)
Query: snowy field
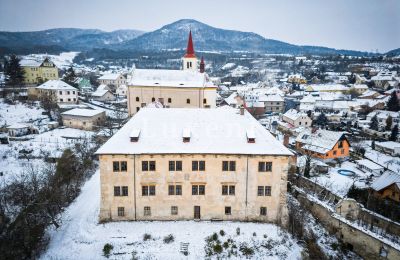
(81, 237)
(19, 113)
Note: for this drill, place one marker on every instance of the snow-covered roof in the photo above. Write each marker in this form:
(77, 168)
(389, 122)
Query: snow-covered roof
(17, 126)
(321, 141)
(169, 78)
(385, 180)
(389, 145)
(212, 131)
(270, 98)
(231, 100)
(100, 92)
(293, 114)
(369, 164)
(56, 85)
(327, 87)
(82, 112)
(110, 76)
(30, 63)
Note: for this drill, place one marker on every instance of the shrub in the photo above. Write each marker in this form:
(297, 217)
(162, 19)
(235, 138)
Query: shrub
(254, 234)
(222, 233)
(217, 248)
(265, 236)
(238, 231)
(334, 246)
(214, 236)
(168, 239)
(225, 244)
(246, 250)
(107, 250)
(146, 237)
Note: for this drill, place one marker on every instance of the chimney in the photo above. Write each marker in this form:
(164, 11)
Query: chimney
(241, 109)
(286, 140)
(202, 65)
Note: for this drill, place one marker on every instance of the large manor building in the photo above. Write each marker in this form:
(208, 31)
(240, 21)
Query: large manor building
(189, 87)
(38, 71)
(191, 163)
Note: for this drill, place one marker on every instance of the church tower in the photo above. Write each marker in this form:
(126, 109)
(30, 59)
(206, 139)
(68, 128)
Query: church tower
(190, 60)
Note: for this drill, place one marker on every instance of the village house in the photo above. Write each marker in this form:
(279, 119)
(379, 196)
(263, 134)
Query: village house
(121, 91)
(327, 88)
(389, 147)
(323, 144)
(86, 119)
(387, 186)
(16, 130)
(296, 119)
(359, 88)
(113, 80)
(60, 91)
(272, 103)
(38, 71)
(382, 116)
(386, 79)
(103, 94)
(187, 163)
(186, 88)
(234, 100)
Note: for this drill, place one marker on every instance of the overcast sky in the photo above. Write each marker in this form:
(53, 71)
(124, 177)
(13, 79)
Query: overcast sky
(366, 25)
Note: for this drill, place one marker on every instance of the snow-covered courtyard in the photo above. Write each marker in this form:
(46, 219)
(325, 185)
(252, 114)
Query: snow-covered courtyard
(82, 237)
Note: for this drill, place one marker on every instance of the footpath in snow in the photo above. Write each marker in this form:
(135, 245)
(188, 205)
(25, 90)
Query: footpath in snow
(81, 237)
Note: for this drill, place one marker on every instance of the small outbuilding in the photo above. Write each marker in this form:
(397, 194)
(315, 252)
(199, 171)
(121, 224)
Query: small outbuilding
(87, 119)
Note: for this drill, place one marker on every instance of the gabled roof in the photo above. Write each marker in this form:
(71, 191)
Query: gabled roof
(212, 131)
(110, 76)
(293, 114)
(321, 141)
(385, 180)
(56, 85)
(82, 112)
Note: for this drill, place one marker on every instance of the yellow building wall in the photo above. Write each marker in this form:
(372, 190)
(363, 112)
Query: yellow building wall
(32, 74)
(177, 95)
(245, 204)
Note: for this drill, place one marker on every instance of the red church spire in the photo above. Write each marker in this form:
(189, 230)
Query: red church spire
(190, 48)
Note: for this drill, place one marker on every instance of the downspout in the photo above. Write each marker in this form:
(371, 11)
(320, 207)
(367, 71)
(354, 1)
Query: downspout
(247, 183)
(134, 183)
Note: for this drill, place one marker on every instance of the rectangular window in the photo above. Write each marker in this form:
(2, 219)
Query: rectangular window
(174, 210)
(124, 166)
(202, 165)
(264, 166)
(267, 190)
(260, 191)
(175, 165)
(152, 190)
(145, 190)
(198, 165)
(228, 189)
(228, 210)
(178, 190)
(124, 190)
(152, 165)
(228, 166)
(145, 166)
(171, 190)
(116, 166)
(202, 189)
(121, 211)
(198, 189)
(263, 211)
(147, 211)
(117, 191)
(195, 165)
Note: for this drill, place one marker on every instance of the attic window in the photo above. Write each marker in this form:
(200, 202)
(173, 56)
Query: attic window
(134, 136)
(251, 137)
(186, 135)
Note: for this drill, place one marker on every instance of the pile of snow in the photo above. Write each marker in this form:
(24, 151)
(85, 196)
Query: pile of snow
(228, 66)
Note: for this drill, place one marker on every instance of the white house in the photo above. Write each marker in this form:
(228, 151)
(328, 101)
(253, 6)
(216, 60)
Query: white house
(103, 94)
(389, 147)
(18, 130)
(296, 118)
(122, 91)
(113, 79)
(368, 166)
(61, 91)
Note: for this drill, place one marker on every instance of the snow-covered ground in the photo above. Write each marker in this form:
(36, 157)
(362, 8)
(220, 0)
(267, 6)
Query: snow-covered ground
(19, 113)
(82, 237)
(340, 184)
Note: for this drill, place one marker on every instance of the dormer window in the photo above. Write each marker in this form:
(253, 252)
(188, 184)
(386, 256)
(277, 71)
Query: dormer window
(251, 137)
(186, 135)
(134, 136)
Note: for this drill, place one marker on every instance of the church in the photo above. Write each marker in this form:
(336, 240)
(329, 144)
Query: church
(189, 87)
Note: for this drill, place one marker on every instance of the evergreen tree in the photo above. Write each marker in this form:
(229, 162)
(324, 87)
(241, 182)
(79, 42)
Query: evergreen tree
(395, 132)
(14, 72)
(321, 120)
(393, 103)
(70, 77)
(374, 125)
(373, 145)
(389, 122)
(307, 167)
